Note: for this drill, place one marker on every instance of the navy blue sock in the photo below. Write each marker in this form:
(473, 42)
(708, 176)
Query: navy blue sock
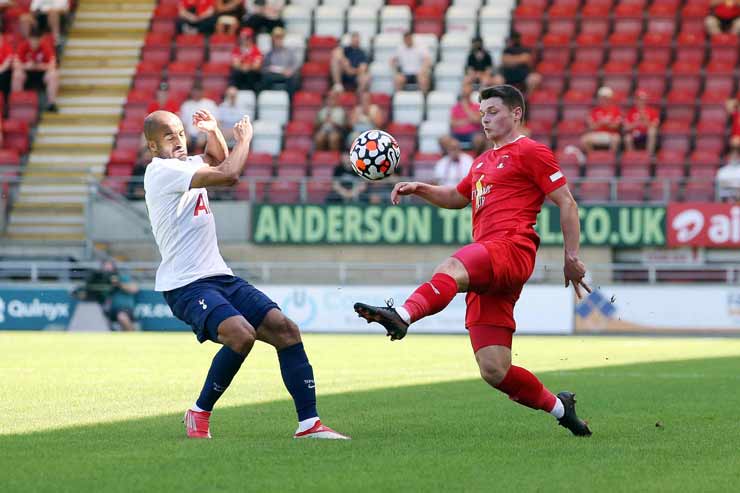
(298, 378)
(223, 368)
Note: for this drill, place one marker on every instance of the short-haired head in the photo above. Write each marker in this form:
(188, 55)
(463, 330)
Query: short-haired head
(165, 135)
(502, 109)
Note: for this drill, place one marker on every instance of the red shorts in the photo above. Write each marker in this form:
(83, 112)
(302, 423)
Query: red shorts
(498, 270)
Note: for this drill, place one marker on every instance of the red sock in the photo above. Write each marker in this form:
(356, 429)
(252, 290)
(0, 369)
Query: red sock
(431, 297)
(523, 387)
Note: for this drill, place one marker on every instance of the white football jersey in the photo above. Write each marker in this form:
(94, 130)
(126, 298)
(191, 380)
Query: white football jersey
(182, 222)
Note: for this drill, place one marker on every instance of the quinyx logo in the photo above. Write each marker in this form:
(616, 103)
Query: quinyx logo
(596, 302)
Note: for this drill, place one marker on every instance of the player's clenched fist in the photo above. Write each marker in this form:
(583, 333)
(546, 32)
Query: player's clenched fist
(243, 130)
(403, 188)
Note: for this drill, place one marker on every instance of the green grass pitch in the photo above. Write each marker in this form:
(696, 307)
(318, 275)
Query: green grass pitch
(102, 412)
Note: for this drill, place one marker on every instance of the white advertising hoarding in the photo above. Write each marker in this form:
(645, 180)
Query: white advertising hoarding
(540, 310)
(660, 309)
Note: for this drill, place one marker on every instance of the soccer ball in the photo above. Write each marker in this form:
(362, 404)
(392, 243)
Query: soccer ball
(374, 155)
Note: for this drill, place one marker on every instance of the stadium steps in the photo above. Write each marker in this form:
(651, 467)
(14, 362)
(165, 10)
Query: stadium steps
(74, 145)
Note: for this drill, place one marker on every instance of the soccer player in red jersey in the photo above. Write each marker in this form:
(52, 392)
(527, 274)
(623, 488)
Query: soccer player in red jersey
(506, 186)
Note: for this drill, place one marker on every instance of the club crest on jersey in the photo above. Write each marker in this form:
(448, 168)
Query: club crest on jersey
(480, 192)
(201, 205)
(503, 161)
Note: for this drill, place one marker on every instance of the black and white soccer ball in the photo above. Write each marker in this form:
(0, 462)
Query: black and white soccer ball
(374, 155)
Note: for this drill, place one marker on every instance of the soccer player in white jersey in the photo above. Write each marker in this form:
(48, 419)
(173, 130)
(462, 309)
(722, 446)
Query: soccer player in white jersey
(197, 284)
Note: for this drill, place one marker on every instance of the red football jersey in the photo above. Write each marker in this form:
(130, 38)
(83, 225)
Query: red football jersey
(736, 124)
(604, 116)
(507, 187)
(639, 125)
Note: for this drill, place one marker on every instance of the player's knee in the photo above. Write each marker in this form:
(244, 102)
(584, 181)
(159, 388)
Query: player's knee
(242, 339)
(284, 332)
(455, 269)
(492, 371)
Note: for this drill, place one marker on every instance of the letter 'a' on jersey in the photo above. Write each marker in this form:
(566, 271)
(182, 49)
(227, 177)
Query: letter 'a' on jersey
(182, 223)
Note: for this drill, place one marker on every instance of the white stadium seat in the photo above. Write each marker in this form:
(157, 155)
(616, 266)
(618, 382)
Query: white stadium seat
(246, 101)
(311, 4)
(461, 20)
(493, 23)
(375, 4)
(448, 76)
(470, 4)
(385, 46)
(363, 20)
(395, 18)
(264, 43)
(297, 43)
(429, 133)
(381, 77)
(455, 47)
(344, 4)
(297, 19)
(428, 41)
(274, 106)
(329, 21)
(439, 104)
(268, 137)
(408, 107)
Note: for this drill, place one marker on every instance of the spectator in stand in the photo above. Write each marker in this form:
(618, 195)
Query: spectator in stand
(453, 166)
(346, 185)
(412, 64)
(349, 66)
(232, 9)
(733, 109)
(196, 16)
(280, 69)
(36, 68)
(135, 188)
(603, 122)
(263, 16)
(724, 17)
(196, 102)
(479, 69)
(465, 120)
(331, 123)
(246, 63)
(228, 114)
(45, 14)
(516, 66)
(365, 116)
(7, 55)
(728, 179)
(641, 125)
(163, 100)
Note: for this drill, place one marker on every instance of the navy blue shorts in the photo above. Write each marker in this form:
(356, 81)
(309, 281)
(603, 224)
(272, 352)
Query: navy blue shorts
(207, 302)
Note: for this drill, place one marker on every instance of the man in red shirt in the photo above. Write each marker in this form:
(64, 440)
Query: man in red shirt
(196, 16)
(246, 62)
(724, 17)
(506, 186)
(36, 67)
(6, 65)
(641, 124)
(603, 123)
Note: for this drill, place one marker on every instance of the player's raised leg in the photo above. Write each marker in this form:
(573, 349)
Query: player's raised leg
(521, 385)
(283, 334)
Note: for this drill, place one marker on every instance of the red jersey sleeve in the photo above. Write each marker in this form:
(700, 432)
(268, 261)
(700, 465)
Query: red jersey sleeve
(544, 169)
(465, 187)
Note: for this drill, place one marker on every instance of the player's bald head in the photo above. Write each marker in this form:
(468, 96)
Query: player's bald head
(158, 121)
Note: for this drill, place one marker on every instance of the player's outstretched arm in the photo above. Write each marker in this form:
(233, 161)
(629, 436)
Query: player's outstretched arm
(444, 196)
(573, 269)
(227, 173)
(216, 149)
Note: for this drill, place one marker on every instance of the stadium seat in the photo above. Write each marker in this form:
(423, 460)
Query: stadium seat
(594, 192)
(454, 47)
(395, 18)
(448, 77)
(329, 21)
(348, 101)
(315, 77)
(306, 105)
(429, 19)
(460, 19)
(700, 191)
(494, 17)
(439, 104)
(408, 107)
(320, 48)
(363, 20)
(299, 135)
(268, 137)
(273, 106)
(324, 162)
(710, 142)
(284, 192)
(297, 19)
(429, 133)
(405, 135)
(382, 77)
(385, 46)
(292, 163)
(635, 160)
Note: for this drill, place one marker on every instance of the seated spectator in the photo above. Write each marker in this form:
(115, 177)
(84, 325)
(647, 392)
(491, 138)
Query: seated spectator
(724, 17)
(246, 63)
(479, 68)
(728, 179)
(7, 56)
(114, 291)
(641, 125)
(733, 108)
(36, 68)
(516, 65)
(229, 12)
(346, 185)
(280, 68)
(229, 114)
(163, 100)
(412, 64)
(603, 123)
(196, 16)
(365, 116)
(43, 15)
(349, 66)
(331, 122)
(465, 120)
(196, 102)
(263, 16)
(453, 166)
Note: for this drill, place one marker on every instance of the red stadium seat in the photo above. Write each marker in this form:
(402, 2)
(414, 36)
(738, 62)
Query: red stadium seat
(589, 55)
(662, 25)
(300, 135)
(710, 143)
(259, 160)
(348, 100)
(9, 157)
(699, 191)
(320, 48)
(542, 112)
(594, 192)
(577, 96)
(284, 192)
(324, 162)
(315, 77)
(165, 12)
(317, 191)
(543, 96)
(306, 105)
(635, 159)
(604, 159)
(429, 19)
(630, 191)
(704, 159)
(635, 172)
(656, 48)
(575, 112)
(667, 159)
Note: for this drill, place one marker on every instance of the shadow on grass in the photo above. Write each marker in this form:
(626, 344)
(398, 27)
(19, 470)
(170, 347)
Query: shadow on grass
(448, 436)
